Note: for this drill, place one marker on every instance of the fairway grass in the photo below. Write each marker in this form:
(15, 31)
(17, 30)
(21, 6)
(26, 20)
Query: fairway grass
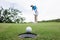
(45, 31)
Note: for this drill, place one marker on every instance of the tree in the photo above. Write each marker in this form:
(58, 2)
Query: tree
(10, 15)
(14, 14)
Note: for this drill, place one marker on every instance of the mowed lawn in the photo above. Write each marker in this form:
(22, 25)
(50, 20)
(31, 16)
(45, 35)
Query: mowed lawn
(46, 31)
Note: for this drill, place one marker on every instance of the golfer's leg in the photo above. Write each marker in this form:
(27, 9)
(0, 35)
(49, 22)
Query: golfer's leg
(35, 18)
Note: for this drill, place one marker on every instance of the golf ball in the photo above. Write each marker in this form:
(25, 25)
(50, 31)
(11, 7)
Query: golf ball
(28, 29)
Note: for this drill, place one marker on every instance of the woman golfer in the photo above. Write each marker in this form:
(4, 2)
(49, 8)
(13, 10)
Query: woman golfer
(36, 12)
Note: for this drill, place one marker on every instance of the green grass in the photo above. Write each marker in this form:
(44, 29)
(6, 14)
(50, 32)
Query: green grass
(46, 31)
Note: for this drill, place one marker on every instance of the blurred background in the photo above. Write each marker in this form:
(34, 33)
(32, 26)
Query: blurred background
(47, 9)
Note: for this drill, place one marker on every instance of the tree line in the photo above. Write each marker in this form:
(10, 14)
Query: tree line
(53, 20)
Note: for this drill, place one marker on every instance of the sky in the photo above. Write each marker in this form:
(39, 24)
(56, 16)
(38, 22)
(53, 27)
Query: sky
(47, 9)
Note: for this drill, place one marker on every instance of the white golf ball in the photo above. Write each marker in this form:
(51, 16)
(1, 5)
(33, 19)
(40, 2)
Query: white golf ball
(28, 29)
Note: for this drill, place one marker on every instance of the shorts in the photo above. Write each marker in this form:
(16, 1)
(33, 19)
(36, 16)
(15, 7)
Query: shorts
(36, 12)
